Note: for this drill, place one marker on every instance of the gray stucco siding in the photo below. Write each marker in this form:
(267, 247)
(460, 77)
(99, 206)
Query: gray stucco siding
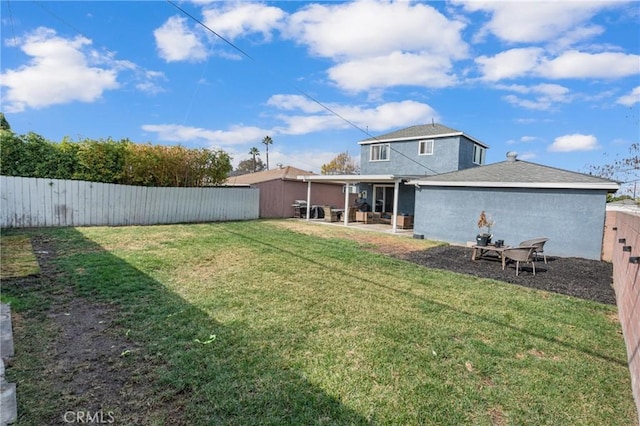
(466, 153)
(573, 220)
(404, 158)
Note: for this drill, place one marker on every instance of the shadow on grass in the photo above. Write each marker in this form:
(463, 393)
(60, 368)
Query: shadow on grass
(215, 373)
(440, 305)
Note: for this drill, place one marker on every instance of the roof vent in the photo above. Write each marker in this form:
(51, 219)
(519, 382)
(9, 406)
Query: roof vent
(511, 156)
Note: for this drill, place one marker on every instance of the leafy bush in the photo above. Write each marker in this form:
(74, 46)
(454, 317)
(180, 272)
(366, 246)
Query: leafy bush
(111, 161)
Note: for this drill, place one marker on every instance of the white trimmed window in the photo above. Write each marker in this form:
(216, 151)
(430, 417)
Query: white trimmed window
(425, 147)
(478, 154)
(379, 152)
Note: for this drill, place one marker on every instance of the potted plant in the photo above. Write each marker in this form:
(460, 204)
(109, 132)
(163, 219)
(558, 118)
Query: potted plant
(484, 222)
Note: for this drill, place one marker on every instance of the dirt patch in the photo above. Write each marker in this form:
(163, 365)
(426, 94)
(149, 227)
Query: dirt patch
(582, 278)
(90, 364)
(374, 241)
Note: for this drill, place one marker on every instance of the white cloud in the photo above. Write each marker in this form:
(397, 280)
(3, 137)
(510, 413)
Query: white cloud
(311, 160)
(631, 99)
(148, 83)
(527, 156)
(308, 120)
(528, 139)
(509, 64)
(236, 135)
(242, 19)
(545, 96)
(372, 49)
(574, 64)
(382, 117)
(372, 28)
(176, 42)
(529, 62)
(295, 102)
(531, 22)
(395, 69)
(574, 142)
(308, 159)
(60, 71)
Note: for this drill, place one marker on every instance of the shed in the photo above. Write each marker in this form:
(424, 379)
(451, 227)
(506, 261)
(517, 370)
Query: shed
(280, 189)
(525, 200)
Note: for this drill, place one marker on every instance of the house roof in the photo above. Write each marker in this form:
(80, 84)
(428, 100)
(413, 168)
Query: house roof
(514, 173)
(284, 173)
(349, 179)
(431, 131)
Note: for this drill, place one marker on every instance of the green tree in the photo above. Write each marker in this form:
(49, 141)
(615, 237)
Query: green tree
(101, 161)
(267, 141)
(4, 124)
(254, 153)
(31, 155)
(12, 152)
(247, 166)
(342, 164)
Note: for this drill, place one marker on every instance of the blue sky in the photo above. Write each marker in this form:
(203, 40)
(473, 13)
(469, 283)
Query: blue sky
(557, 82)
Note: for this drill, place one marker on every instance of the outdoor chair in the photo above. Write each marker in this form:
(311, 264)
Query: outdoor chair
(538, 244)
(330, 215)
(520, 254)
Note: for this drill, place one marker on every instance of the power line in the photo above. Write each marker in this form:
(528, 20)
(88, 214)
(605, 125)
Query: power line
(299, 90)
(13, 30)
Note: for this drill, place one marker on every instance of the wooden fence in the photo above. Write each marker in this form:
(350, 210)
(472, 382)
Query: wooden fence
(34, 202)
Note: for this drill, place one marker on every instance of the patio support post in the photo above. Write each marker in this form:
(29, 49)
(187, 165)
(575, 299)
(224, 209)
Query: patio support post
(346, 204)
(396, 188)
(308, 200)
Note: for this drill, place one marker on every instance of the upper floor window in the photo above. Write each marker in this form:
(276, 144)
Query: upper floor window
(478, 154)
(425, 147)
(379, 152)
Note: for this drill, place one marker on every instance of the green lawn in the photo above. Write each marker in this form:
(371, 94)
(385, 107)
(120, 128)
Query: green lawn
(251, 323)
(16, 257)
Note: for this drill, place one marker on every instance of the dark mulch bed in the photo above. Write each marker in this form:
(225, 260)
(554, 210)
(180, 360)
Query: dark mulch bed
(586, 279)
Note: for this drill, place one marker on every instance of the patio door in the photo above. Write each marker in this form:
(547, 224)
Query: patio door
(383, 198)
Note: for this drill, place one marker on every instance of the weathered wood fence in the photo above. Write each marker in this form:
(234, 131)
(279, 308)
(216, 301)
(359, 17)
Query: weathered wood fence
(34, 202)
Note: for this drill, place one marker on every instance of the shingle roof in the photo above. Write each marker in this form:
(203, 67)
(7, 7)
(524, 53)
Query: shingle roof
(434, 130)
(284, 173)
(518, 173)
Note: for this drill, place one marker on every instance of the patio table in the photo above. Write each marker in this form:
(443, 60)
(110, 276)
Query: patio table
(480, 251)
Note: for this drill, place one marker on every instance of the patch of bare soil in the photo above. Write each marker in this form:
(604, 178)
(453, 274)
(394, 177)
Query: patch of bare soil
(582, 278)
(89, 364)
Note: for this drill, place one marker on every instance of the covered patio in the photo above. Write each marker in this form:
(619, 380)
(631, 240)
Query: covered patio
(352, 181)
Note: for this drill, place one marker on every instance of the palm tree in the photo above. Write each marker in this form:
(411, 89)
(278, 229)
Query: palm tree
(254, 152)
(267, 141)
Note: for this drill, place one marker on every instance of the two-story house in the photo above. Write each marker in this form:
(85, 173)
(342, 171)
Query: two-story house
(390, 160)
(415, 151)
(437, 175)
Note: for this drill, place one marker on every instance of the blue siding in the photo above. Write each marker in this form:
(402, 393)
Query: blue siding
(572, 219)
(449, 154)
